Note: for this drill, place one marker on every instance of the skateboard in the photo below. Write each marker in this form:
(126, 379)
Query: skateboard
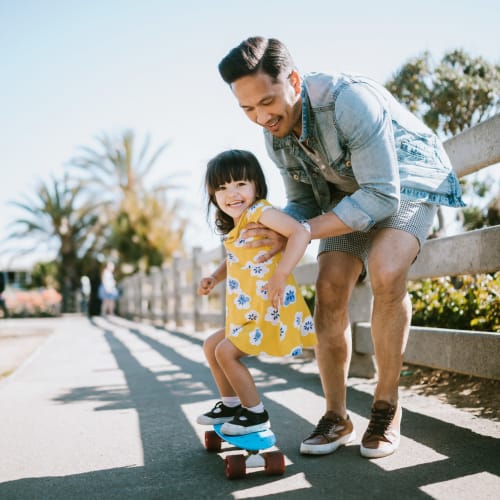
(236, 465)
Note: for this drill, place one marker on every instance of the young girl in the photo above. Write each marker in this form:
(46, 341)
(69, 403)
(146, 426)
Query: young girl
(265, 312)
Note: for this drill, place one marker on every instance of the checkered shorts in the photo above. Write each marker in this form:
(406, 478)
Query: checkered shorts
(414, 217)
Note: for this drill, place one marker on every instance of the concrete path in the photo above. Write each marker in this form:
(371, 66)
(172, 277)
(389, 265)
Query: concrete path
(105, 409)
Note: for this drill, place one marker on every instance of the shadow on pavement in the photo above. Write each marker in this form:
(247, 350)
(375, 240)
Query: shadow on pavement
(176, 465)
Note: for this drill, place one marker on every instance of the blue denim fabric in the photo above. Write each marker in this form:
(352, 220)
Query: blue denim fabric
(373, 149)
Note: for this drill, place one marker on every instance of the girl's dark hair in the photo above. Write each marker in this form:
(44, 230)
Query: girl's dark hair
(256, 54)
(230, 166)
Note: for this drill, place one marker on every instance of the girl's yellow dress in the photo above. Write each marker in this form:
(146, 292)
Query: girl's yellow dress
(252, 324)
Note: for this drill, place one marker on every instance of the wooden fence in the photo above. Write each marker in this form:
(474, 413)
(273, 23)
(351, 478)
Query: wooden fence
(168, 295)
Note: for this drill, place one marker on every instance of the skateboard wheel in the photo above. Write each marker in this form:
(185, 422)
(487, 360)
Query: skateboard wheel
(235, 466)
(213, 441)
(275, 463)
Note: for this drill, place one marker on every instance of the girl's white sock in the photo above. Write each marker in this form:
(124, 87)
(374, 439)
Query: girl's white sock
(231, 401)
(257, 409)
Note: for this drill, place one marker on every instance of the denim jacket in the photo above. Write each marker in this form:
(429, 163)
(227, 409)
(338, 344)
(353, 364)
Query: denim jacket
(359, 140)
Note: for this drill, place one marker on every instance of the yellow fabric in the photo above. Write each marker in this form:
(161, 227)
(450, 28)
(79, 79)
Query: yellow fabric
(252, 324)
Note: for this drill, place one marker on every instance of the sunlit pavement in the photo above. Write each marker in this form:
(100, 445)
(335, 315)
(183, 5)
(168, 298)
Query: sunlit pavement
(106, 408)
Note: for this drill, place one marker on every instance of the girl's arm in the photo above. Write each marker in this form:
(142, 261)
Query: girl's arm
(220, 273)
(298, 237)
(208, 283)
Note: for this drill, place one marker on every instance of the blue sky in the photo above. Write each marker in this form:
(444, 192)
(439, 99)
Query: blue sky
(73, 70)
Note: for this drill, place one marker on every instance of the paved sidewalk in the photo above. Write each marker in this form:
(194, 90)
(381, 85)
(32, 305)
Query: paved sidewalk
(105, 409)
(19, 339)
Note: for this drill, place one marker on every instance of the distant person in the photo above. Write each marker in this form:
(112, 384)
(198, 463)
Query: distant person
(266, 312)
(86, 289)
(108, 293)
(3, 304)
(368, 176)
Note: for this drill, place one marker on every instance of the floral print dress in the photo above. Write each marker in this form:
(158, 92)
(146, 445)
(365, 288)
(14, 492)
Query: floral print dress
(253, 325)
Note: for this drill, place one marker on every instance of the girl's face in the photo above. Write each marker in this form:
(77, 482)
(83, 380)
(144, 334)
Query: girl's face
(234, 197)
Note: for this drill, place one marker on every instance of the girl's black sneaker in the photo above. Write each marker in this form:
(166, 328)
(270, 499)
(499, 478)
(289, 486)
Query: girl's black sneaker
(246, 422)
(219, 414)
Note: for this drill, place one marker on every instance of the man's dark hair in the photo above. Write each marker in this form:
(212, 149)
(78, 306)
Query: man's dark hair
(256, 54)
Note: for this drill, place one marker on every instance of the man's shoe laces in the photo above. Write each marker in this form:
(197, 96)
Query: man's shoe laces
(380, 421)
(324, 426)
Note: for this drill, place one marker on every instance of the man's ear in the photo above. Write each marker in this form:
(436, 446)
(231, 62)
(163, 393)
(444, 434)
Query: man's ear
(295, 81)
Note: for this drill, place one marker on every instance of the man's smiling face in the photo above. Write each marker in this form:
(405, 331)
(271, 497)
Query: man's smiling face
(274, 105)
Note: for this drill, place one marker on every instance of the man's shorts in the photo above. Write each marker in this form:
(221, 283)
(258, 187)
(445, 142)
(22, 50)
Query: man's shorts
(414, 217)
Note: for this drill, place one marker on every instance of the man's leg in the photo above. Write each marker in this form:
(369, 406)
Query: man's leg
(338, 274)
(391, 255)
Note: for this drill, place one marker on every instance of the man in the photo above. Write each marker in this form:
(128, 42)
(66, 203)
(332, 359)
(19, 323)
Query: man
(366, 176)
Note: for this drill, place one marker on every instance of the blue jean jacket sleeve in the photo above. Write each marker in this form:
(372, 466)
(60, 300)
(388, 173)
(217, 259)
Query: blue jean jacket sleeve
(367, 131)
(301, 203)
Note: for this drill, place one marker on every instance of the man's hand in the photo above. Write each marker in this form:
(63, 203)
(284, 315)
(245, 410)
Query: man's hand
(260, 236)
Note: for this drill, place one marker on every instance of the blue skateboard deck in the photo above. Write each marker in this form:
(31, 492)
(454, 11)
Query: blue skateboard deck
(251, 442)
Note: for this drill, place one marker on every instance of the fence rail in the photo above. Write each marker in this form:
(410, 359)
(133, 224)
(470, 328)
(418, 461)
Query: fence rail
(168, 295)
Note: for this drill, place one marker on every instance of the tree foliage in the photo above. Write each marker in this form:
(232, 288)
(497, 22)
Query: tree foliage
(102, 208)
(455, 94)
(452, 95)
(485, 208)
(145, 232)
(57, 218)
(144, 227)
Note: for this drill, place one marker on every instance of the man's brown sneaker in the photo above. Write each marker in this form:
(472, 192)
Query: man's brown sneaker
(331, 432)
(383, 433)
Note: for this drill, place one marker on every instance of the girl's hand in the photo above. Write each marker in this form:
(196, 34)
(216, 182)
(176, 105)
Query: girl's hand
(206, 285)
(276, 289)
(263, 236)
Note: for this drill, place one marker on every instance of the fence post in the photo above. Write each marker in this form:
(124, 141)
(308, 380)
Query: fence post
(137, 295)
(142, 295)
(177, 291)
(123, 298)
(362, 365)
(154, 277)
(166, 272)
(197, 299)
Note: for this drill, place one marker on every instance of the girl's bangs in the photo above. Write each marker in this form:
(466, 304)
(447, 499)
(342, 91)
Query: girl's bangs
(225, 171)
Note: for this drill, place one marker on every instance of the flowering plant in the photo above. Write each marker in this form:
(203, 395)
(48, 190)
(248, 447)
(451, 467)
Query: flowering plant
(42, 302)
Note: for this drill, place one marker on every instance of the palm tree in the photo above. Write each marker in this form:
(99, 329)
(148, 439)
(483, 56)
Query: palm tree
(113, 170)
(115, 177)
(55, 219)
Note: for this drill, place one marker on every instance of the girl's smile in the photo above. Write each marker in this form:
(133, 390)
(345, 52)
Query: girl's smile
(234, 197)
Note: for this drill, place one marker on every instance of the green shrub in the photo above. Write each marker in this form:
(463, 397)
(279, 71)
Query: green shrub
(309, 294)
(459, 302)
(462, 302)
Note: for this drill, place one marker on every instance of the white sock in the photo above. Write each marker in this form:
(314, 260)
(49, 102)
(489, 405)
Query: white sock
(257, 409)
(231, 401)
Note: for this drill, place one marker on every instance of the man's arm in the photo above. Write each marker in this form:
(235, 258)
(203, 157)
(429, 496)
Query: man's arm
(301, 205)
(327, 225)
(367, 129)
(369, 135)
